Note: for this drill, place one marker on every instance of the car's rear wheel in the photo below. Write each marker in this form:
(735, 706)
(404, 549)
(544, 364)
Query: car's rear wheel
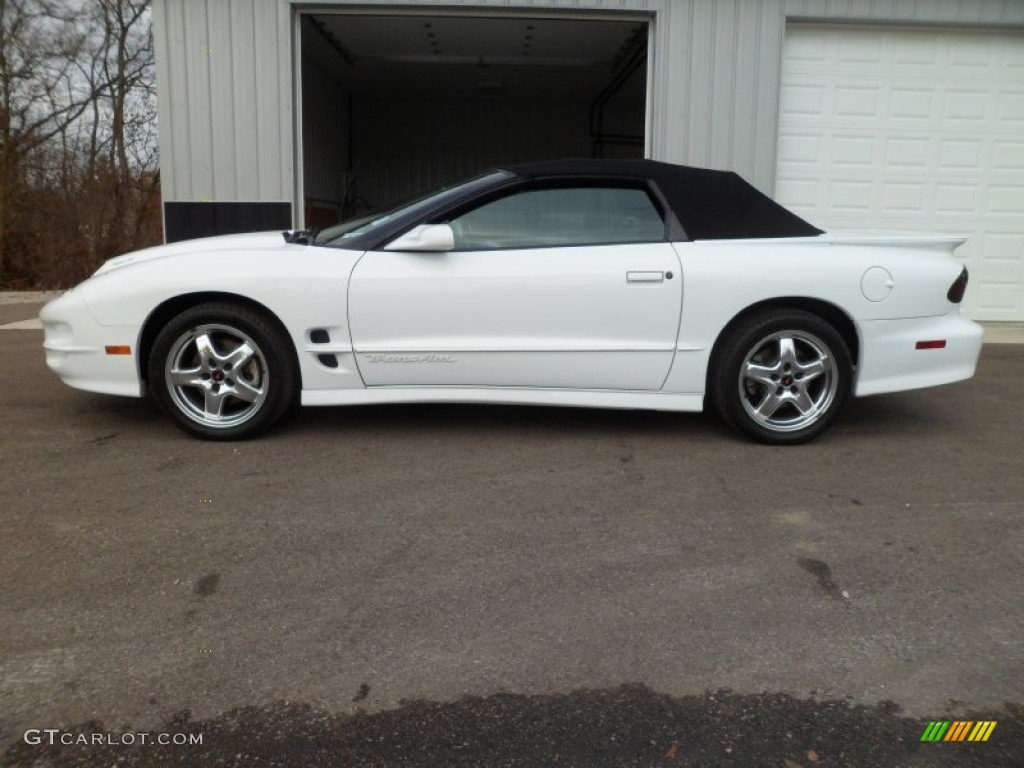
(782, 376)
(222, 371)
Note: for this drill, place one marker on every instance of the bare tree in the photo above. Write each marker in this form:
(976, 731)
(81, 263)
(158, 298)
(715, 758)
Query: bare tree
(77, 124)
(128, 71)
(37, 98)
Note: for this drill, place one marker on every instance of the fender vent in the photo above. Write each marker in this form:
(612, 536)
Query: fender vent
(319, 336)
(331, 361)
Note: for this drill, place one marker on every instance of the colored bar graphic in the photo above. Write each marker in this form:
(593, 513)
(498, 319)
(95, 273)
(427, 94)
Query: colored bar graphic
(982, 730)
(935, 730)
(958, 730)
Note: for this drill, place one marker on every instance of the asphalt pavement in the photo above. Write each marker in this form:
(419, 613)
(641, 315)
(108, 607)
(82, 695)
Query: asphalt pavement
(476, 585)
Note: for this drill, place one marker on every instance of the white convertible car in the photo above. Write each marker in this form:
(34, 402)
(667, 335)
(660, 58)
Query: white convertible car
(617, 284)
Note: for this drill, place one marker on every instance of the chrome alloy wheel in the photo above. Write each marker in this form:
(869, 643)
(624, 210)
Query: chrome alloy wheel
(217, 376)
(788, 381)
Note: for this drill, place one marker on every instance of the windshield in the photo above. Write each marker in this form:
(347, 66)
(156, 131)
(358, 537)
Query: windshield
(366, 225)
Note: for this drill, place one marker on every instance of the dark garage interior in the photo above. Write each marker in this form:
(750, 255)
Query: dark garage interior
(393, 105)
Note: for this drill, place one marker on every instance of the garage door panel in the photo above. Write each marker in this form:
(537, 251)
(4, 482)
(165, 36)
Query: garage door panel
(1010, 108)
(960, 154)
(998, 295)
(1001, 249)
(911, 105)
(916, 130)
(852, 150)
(1008, 156)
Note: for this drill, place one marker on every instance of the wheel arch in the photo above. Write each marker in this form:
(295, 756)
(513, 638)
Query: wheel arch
(164, 312)
(827, 311)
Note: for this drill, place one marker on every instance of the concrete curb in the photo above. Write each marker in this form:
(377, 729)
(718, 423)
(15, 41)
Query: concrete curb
(1004, 333)
(32, 324)
(27, 297)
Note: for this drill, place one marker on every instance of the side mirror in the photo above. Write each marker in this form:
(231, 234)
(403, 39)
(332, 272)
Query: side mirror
(425, 237)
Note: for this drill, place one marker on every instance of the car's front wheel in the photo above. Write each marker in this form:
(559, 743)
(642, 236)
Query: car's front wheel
(782, 376)
(222, 371)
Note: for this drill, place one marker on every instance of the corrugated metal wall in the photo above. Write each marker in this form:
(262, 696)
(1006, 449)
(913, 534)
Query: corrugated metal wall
(224, 74)
(716, 83)
(225, 68)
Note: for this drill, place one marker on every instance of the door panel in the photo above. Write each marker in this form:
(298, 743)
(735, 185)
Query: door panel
(543, 317)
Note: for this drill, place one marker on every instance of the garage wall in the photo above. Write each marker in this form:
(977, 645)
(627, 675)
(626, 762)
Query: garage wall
(716, 85)
(225, 70)
(224, 106)
(224, 74)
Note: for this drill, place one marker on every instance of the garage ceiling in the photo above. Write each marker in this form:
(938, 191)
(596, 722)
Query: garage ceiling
(449, 57)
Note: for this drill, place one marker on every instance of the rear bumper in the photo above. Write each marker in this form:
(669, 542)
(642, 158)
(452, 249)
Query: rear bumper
(891, 362)
(75, 347)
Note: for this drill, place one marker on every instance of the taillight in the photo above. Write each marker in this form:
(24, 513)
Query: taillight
(956, 290)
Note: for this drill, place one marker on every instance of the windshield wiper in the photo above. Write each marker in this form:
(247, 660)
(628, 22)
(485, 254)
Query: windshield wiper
(301, 236)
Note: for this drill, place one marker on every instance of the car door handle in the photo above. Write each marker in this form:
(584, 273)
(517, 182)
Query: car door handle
(645, 277)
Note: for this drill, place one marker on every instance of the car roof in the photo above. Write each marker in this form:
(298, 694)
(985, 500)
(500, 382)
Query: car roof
(710, 204)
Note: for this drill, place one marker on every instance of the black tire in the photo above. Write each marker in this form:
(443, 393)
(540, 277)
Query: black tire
(781, 376)
(193, 375)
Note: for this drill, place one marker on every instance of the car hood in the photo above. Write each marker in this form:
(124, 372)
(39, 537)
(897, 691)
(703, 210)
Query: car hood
(252, 241)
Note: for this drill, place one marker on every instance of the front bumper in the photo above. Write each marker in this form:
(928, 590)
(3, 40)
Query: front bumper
(891, 362)
(75, 346)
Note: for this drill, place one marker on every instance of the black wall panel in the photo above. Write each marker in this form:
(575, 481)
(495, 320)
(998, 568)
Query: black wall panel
(185, 221)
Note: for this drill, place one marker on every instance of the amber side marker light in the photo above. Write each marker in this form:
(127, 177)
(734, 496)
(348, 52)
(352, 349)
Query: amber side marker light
(118, 350)
(936, 344)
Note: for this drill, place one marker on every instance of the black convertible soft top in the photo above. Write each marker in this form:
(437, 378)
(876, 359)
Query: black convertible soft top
(710, 205)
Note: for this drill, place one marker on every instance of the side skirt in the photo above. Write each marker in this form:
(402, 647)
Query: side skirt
(658, 401)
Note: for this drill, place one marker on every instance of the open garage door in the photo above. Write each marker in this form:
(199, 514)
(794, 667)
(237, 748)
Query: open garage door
(393, 105)
(912, 129)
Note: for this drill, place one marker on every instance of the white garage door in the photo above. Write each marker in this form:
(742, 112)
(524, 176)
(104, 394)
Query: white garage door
(884, 128)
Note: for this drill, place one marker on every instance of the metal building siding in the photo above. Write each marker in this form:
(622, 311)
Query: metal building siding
(231, 117)
(971, 12)
(244, 98)
(715, 85)
(222, 115)
(227, 117)
(223, 71)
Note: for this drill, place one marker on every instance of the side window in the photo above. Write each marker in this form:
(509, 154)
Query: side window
(536, 218)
